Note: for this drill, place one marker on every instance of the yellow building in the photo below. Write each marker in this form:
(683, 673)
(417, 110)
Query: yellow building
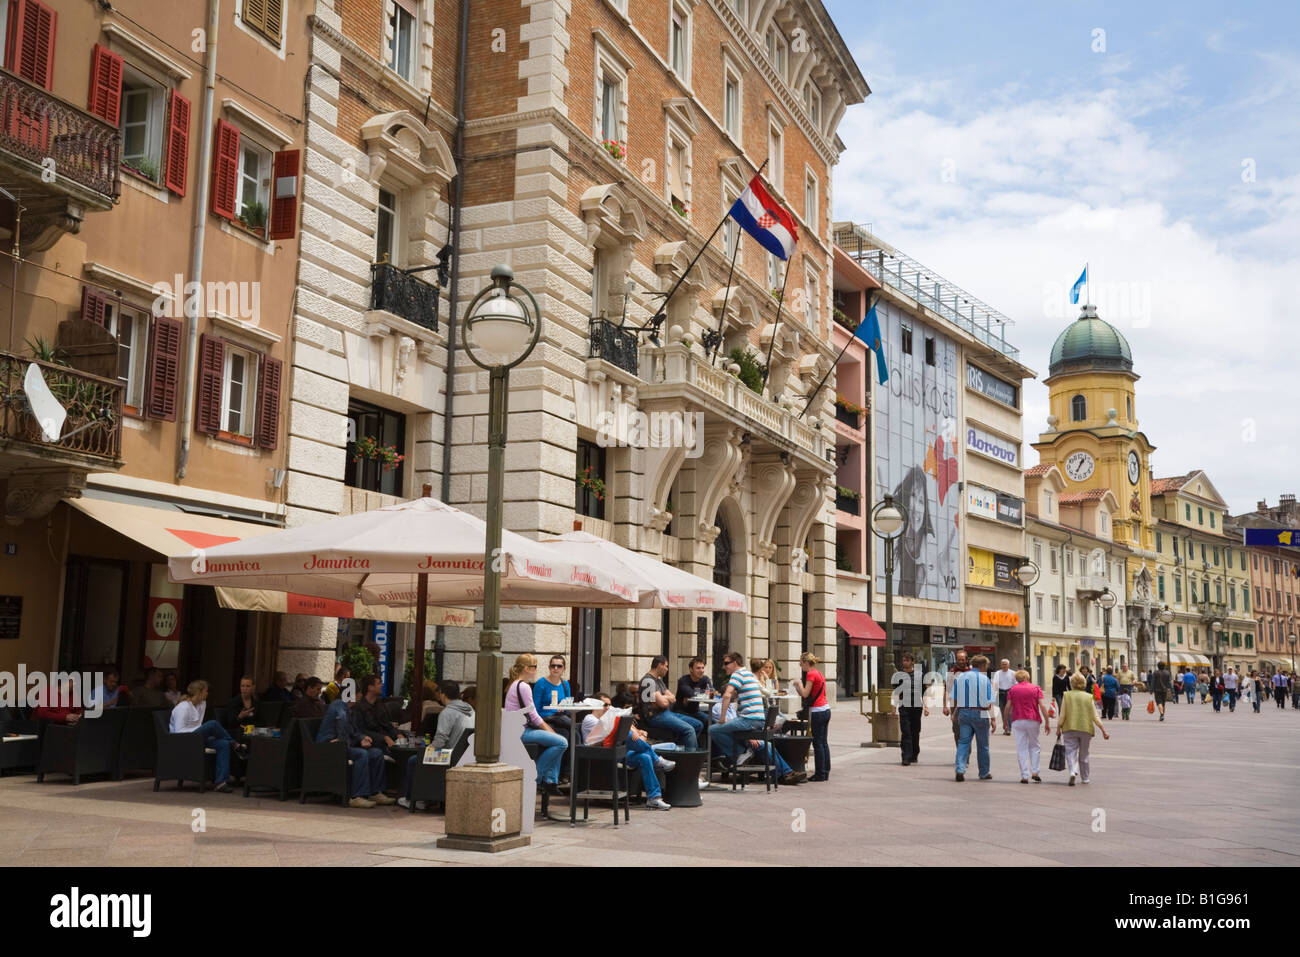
(1093, 438)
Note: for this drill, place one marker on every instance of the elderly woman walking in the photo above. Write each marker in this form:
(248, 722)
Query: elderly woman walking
(1025, 699)
(1077, 719)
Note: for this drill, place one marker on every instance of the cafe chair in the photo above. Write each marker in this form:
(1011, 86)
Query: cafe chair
(181, 757)
(326, 768)
(612, 760)
(20, 745)
(139, 750)
(429, 783)
(763, 763)
(88, 747)
(275, 764)
(272, 714)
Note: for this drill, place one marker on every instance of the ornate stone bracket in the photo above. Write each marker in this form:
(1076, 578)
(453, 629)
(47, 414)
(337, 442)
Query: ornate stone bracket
(716, 472)
(33, 495)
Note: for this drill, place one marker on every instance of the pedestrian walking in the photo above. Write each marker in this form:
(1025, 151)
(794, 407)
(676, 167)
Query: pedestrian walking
(1125, 704)
(1161, 686)
(1074, 727)
(1126, 680)
(1109, 693)
(909, 705)
(1060, 685)
(1216, 690)
(1295, 691)
(1189, 686)
(1203, 686)
(1027, 713)
(1231, 687)
(960, 665)
(1004, 679)
(973, 694)
(1279, 689)
(1256, 685)
(812, 689)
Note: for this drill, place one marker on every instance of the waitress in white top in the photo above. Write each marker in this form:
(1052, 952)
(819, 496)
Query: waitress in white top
(187, 718)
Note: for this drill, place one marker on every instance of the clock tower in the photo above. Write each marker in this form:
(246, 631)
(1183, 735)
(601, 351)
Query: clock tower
(1092, 432)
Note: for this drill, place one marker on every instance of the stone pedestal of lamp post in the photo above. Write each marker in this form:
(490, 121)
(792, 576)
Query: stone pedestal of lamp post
(484, 808)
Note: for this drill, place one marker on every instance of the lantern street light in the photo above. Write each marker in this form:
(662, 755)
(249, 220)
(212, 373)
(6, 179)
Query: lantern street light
(1291, 640)
(1028, 574)
(1215, 627)
(1166, 616)
(888, 522)
(502, 329)
(1106, 600)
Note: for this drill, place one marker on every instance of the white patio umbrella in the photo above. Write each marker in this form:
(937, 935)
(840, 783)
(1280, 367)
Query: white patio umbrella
(660, 584)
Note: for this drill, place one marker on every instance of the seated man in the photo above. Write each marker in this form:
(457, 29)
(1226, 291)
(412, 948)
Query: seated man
(150, 694)
(368, 775)
(785, 774)
(370, 716)
(598, 731)
(310, 704)
(554, 686)
(58, 703)
(279, 690)
(110, 694)
(656, 701)
(693, 684)
(456, 715)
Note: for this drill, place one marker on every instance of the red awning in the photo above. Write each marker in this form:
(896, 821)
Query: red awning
(861, 627)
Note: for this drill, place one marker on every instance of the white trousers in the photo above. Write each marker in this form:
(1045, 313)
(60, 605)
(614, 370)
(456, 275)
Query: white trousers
(1076, 753)
(1027, 749)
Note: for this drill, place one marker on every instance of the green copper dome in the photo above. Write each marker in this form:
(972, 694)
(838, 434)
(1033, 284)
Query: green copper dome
(1090, 343)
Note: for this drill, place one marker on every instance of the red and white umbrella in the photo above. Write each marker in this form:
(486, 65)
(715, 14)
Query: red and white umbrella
(660, 585)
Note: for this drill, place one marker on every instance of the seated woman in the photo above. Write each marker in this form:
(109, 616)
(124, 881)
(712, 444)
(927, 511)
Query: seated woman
(766, 675)
(187, 718)
(519, 697)
(240, 712)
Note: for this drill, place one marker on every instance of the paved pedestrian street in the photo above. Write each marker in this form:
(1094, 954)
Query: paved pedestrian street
(1199, 789)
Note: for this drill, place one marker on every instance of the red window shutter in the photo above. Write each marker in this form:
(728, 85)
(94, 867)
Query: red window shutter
(94, 306)
(268, 403)
(105, 84)
(177, 153)
(284, 209)
(225, 170)
(31, 42)
(212, 370)
(164, 369)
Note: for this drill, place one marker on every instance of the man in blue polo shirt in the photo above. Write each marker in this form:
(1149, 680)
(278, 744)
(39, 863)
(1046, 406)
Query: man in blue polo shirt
(972, 693)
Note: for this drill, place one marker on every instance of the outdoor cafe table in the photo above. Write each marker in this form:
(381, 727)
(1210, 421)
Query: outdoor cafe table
(706, 704)
(573, 710)
(401, 753)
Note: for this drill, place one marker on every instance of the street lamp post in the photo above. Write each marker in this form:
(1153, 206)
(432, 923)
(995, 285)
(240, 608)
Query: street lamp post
(888, 522)
(1291, 640)
(1215, 627)
(1106, 600)
(1028, 575)
(1166, 616)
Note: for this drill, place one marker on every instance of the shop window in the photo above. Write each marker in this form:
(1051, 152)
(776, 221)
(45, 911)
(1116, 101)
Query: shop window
(94, 606)
(372, 430)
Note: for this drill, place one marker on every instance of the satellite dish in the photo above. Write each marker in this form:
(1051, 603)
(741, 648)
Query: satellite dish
(49, 412)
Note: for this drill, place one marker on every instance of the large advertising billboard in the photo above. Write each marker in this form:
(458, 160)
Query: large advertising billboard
(916, 440)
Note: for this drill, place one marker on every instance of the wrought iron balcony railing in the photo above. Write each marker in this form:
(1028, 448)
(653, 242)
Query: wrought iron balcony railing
(49, 136)
(617, 346)
(394, 291)
(93, 405)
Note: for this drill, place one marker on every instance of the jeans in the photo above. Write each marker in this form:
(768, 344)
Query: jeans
(909, 723)
(1255, 700)
(1076, 754)
(218, 739)
(642, 757)
(682, 727)
(1191, 693)
(973, 723)
(821, 721)
(548, 762)
(722, 735)
(368, 773)
(1232, 698)
(1218, 699)
(1027, 749)
(1279, 695)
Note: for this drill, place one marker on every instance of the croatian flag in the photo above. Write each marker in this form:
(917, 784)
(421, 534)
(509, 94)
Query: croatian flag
(763, 218)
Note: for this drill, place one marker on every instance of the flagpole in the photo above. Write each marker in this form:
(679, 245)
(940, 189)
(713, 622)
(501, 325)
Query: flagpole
(1087, 283)
(827, 375)
(722, 317)
(662, 312)
(776, 327)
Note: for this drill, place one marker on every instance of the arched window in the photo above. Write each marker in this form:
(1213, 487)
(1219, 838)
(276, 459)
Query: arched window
(1078, 408)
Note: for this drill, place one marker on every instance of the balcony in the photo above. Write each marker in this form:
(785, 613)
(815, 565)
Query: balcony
(614, 344)
(59, 160)
(39, 473)
(405, 296)
(852, 419)
(847, 501)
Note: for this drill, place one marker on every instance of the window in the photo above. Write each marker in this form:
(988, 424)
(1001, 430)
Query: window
(1038, 607)
(907, 340)
(1205, 592)
(263, 16)
(1243, 560)
(1245, 598)
(1038, 554)
(731, 105)
(810, 200)
(679, 43)
(1053, 561)
(401, 48)
(1078, 409)
(1211, 520)
(131, 330)
(1083, 614)
(1218, 592)
(1216, 554)
(1128, 404)
(1254, 561)
(679, 173)
(1056, 608)
(1227, 556)
(776, 157)
(812, 103)
(773, 273)
(1160, 587)
(237, 392)
(388, 430)
(777, 50)
(1180, 634)
(1173, 544)
(609, 130)
(1069, 611)
(1236, 639)
(1250, 641)
(1047, 499)
(142, 124)
(1257, 597)
(610, 92)
(1188, 509)
(1200, 515)
(1178, 589)
(1232, 598)
(929, 351)
(386, 227)
(591, 489)
(1204, 556)
(1160, 544)
(739, 7)
(1069, 562)
(812, 300)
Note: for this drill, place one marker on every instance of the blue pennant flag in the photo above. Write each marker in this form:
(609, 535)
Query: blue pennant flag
(868, 331)
(1078, 283)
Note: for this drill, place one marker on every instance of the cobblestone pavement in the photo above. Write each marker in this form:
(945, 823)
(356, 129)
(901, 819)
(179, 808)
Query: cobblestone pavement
(1199, 789)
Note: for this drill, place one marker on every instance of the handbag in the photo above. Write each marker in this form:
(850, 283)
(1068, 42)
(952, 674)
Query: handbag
(1151, 707)
(1057, 763)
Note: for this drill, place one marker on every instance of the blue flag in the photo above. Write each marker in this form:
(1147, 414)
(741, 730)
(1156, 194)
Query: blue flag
(868, 331)
(1074, 290)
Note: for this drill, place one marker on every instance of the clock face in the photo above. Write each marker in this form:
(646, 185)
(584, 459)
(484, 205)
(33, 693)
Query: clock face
(1079, 466)
(1133, 468)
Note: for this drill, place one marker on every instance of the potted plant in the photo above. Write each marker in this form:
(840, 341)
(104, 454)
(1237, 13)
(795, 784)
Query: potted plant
(680, 208)
(593, 483)
(253, 217)
(408, 672)
(358, 660)
(846, 500)
(751, 373)
(144, 168)
(615, 148)
(370, 448)
(848, 412)
(840, 316)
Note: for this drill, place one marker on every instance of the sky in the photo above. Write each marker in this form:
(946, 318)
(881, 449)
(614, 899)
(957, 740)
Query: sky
(1006, 145)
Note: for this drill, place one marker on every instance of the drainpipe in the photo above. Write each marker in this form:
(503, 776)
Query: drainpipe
(453, 297)
(196, 241)
(1069, 540)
